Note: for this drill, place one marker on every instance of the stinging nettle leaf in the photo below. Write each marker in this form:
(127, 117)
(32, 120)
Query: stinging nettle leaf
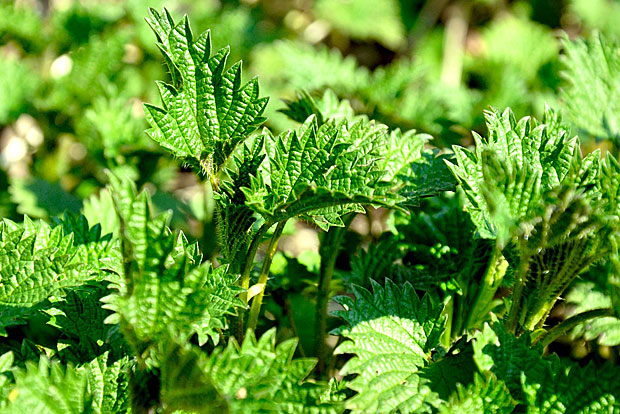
(391, 332)
(167, 290)
(259, 376)
(38, 260)
(206, 111)
(320, 172)
(591, 69)
(505, 177)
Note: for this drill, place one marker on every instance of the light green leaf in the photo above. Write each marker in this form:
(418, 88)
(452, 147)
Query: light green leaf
(520, 43)
(506, 176)
(320, 172)
(167, 290)
(48, 387)
(108, 383)
(260, 377)
(206, 110)
(485, 395)
(591, 95)
(392, 333)
(38, 261)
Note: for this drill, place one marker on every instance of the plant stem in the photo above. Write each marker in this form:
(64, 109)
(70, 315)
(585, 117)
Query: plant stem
(550, 290)
(330, 247)
(249, 260)
(448, 310)
(257, 301)
(568, 324)
(537, 318)
(513, 316)
(491, 281)
(291, 320)
(245, 276)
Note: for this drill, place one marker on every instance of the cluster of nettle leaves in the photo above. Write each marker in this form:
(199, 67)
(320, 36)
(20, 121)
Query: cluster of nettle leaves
(147, 325)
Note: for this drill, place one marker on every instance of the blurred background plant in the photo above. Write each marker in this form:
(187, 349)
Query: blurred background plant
(74, 75)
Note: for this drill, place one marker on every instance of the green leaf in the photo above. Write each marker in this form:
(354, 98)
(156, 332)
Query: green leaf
(520, 43)
(206, 110)
(167, 290)
(17, 85)
(426, 176)
(505, 178)
(572, 389)
(411, 169)
(319, 172)
(108, 383)
(260, 377)
(597, 14)
(99, 387)
(21, 23)
(592, 91)
(585, 296)
(326, 107)
(300, 66)
(80, 319)
(509, 357)
(38, 198)
(38, 261)
(101, 57)
(392, 333)
(109, 127)
(48, 387)
(185, 382)
(6, 362)
(100, 209)
(235, 219)
(485, 395)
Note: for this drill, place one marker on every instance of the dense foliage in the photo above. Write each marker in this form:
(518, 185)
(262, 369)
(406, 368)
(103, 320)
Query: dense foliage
(395, 236)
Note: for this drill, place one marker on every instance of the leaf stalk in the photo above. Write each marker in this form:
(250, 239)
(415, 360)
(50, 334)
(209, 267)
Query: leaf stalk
(570, 323)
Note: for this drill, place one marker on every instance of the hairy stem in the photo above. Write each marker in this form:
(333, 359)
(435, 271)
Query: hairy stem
(491, 281)
(330, 247)
(554, 285)
(521, 278)
(257, 301)
(568, 324)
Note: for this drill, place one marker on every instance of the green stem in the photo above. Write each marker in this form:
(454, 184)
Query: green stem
(491, 281)
(554, 284)
(291, 320)
(257, 301)
(245, 276)
(448, 310)
(249, 260)
(330, 247)
(521, 277)
(568, 324)
(537, 318)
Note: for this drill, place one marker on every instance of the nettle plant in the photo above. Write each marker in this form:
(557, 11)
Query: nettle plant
(446, 312)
